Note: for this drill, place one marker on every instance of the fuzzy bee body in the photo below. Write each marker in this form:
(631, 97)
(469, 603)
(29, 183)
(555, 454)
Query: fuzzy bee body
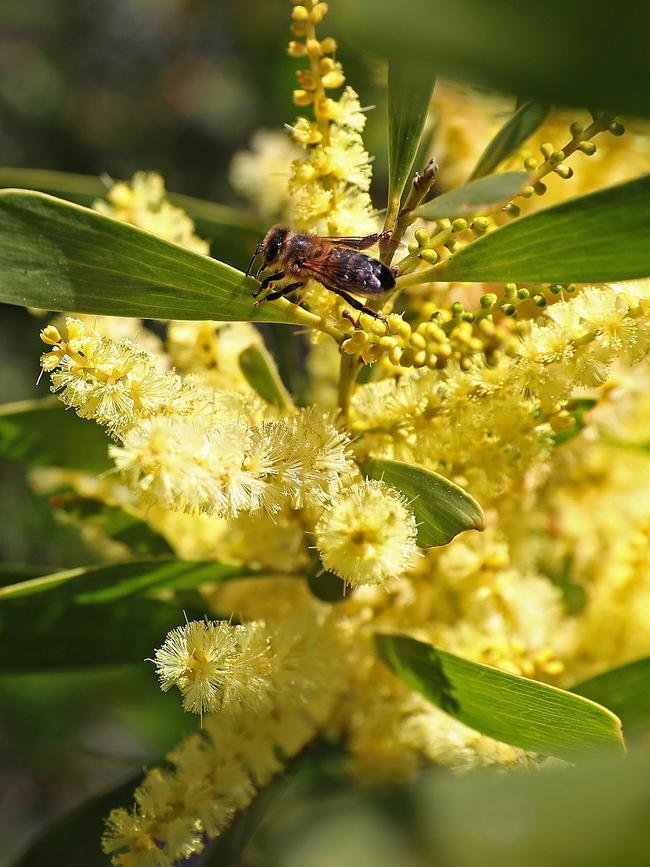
(336, 263)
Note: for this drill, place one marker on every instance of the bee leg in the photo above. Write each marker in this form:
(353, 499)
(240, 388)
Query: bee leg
(279, 293)
(266, 282)
(358, 305)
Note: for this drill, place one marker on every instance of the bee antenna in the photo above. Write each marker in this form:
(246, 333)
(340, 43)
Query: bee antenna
(257, 252)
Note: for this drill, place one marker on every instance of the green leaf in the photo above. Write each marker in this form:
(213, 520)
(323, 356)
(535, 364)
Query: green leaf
(624, 690)
(12, 573)
(60, 256)
(477, 197)
(599, 237)
(99, 584)
(118, 523)
(260, 371)
(509, 708)
(596, 56)
(73, 839)
(442, 509)
(43, 433)
(39, 635)
(514, 132)
(409, 95)
(233, 234)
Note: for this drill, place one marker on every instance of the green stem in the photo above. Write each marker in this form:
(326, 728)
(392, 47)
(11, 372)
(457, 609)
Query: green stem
(403, 218)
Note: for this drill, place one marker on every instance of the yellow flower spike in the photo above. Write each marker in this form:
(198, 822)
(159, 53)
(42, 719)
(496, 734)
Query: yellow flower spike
(333, 79)
(420, 358)
(303, 97)
(300, 13)
(328, 45)
(418, 340)
(359, 338)
(307, 79)
(318, 12)
(296, 49)
(298, 28)
(372, 353)
(314, 48)
(50, 335)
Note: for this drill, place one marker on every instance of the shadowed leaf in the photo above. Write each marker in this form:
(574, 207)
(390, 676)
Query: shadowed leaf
(477, 197)
(603, 236)
(512, 709)
(43, 433)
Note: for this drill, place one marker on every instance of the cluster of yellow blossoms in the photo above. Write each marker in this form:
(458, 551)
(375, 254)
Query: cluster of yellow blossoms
(556, 588)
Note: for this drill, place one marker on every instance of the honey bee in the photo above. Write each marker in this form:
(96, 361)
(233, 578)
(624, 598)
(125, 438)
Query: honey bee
(336, 263)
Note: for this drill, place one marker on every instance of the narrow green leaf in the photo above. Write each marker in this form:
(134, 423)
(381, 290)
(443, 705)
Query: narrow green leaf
(260, 371)
(409, 94)
(477, 197)
(509, 708)
(12, 573)
(596, 238)
(63, 635)
(624, 690)
(60, 256)
(598, 55)
(514, 132)
(233, 234)
(43, 433)
(99, 584)
(442, 509)
(120, 524)
(73, 839)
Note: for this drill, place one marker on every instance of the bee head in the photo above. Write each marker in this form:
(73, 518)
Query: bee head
(273, 243)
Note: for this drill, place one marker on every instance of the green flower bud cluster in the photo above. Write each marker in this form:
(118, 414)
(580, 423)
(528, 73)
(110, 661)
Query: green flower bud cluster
(554, 159)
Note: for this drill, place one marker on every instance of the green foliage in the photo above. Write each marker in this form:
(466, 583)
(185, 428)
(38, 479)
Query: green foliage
(43, 433)
(73, 839)
(60, 256)
(100, 584)
(409, 95)
(119, 524)
(514, 132)
(232, 233)
(477, 197)
(262, 375)
(579, 53)
(597, 238)
(65, 635)
(625, 691)
(442, 509)
(516, 710)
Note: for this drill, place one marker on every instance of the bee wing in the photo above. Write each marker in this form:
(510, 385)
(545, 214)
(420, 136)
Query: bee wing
(353, 242)
(351, 272)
